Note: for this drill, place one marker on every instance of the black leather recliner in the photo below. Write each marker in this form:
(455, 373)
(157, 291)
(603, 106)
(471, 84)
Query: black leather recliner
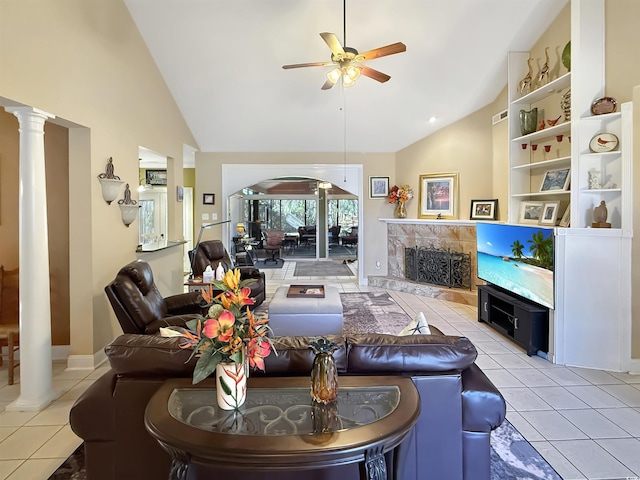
(213, 252)
(139, 306)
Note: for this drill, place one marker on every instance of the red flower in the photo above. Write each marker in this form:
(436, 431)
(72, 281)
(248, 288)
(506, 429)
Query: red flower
(257, 351)
(220, 328)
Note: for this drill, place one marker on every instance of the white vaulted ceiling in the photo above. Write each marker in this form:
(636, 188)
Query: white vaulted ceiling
(222, 61)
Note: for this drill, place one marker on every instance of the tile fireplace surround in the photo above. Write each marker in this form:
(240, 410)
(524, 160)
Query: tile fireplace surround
(453, 235)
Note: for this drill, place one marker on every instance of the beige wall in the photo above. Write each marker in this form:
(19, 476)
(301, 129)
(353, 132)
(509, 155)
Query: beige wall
(86, 63)
(209, 180)
(465, 147)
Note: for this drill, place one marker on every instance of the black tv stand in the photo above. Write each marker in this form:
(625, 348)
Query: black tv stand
(526, 323)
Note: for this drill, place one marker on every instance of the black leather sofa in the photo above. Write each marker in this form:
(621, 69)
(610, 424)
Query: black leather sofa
(451, 440)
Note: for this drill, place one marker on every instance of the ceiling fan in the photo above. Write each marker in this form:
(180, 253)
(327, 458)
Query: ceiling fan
(348, 62)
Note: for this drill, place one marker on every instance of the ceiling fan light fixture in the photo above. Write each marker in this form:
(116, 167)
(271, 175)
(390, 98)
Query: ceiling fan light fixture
(347, 81)
(352, 72)
(334, 75)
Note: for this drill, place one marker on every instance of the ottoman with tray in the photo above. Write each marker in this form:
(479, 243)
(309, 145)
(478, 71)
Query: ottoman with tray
(306, 314)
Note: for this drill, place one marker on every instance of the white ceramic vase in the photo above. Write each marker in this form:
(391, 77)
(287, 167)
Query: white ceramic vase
(231, 385)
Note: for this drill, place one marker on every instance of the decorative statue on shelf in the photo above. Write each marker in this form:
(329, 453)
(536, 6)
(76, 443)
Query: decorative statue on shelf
(594, 180)
(543, 77)
(525, 83)
(600, 214)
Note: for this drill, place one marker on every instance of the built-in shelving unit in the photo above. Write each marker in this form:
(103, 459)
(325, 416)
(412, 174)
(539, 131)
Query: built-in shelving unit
(591, 323)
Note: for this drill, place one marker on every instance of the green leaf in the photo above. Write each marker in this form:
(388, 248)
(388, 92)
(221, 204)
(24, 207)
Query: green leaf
(225, 388)
(206, 365)
(193, 324)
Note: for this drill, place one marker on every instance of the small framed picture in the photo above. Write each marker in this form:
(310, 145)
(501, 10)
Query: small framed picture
(565, 221)
(549, 213)
(557, 179)
(484, 209)
(208, 198)
(530, 212)
(438, 196)
(180, 193)
(378, 187)
(156, 177)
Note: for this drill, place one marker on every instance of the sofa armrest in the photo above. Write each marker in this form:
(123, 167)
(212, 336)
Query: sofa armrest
(150, 356)
(483, 407)
(92, 416)
(382, 354)
(183, 303)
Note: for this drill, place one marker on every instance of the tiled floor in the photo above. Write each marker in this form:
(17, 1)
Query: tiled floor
(586, 423)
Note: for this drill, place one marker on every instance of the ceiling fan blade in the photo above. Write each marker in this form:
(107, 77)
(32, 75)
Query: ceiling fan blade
(327, 85)
(334, 44)
(398, 47)
(314, 64)
(375, 74)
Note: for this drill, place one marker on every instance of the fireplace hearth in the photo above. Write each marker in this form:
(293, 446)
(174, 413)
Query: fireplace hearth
(438, 267)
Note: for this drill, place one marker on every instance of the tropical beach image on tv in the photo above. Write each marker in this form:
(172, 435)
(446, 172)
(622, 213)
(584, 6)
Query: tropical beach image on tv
(518, 259)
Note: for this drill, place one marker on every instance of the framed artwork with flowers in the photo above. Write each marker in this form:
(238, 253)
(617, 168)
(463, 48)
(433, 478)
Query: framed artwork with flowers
(378, 187)
(438, 196)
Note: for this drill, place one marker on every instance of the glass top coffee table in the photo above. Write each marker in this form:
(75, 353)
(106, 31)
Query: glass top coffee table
(280, 428)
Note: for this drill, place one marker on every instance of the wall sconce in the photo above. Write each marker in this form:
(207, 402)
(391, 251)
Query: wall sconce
(110, 183)
(128, 207)
(325, 185)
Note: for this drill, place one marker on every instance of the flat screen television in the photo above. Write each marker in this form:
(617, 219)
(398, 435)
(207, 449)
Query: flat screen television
(518, 259)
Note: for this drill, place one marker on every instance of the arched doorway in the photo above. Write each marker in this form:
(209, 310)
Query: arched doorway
(347, 177)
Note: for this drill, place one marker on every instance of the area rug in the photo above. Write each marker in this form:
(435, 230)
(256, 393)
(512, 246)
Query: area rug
(322, 269)
(366, 312)
(260, 264)
(512, 458)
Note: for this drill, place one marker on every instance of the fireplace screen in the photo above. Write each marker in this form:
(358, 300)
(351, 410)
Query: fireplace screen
(438, 267)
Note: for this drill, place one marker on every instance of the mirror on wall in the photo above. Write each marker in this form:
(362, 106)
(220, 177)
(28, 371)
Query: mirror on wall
(152, 197)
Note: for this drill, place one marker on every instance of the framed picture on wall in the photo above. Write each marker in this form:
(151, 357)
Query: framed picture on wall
(378, 187)
(484, 209)
(438, 196)
(156, 177)
(208, 198)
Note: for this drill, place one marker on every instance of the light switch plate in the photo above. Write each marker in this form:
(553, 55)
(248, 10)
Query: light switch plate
(214, 216)
(205, 216)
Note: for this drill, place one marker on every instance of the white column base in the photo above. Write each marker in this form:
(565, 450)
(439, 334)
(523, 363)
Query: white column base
(26, 405)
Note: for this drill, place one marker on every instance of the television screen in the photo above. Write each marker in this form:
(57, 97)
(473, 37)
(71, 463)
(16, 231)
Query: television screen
(518, 259)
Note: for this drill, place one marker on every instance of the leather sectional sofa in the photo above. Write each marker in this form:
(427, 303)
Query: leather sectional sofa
(459, 405)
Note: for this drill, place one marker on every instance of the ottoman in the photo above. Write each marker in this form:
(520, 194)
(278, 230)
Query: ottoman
(306, 316)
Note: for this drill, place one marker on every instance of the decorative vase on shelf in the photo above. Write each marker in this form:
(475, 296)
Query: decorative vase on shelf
(231, 385)
(324, 374)
(528, 121)
(600, 214)
(400, 211)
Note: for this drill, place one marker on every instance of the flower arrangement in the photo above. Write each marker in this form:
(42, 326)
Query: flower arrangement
(400, 194)
(227, 333)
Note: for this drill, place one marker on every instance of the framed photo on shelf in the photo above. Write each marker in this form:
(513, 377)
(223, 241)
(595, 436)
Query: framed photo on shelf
(565, 221)
(208, 198)
(156, 177)
(556, 180)
(549, 213)
(530, 212)
(484, 209)
(378, 187)
(438, 196)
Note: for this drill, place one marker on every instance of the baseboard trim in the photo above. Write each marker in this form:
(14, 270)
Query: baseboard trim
(59, 352)
(86, 362)
(634, 366)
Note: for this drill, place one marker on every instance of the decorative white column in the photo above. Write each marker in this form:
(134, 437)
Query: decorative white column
(36, 390)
